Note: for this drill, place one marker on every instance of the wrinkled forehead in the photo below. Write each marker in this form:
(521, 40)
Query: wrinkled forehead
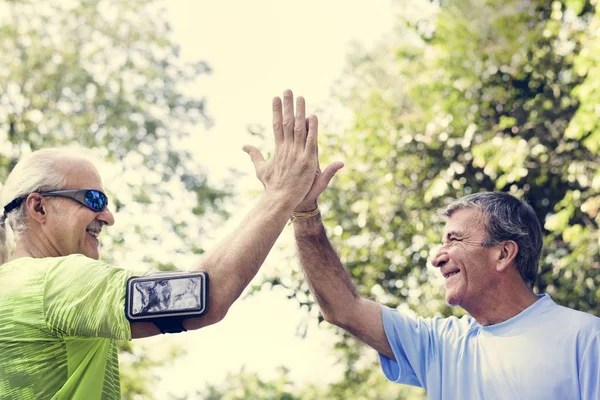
(468, 220)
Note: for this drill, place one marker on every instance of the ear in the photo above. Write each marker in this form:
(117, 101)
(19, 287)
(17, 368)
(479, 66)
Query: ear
(507, 255)
(36, 207)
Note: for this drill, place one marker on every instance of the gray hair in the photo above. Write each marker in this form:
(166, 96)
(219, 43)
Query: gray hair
(38, 171)
(508, 218)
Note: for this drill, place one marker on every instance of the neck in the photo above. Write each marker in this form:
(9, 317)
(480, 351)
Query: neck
(33, 249)
(501, 304)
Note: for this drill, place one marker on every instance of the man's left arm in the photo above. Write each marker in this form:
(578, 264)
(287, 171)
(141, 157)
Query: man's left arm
(589, 370)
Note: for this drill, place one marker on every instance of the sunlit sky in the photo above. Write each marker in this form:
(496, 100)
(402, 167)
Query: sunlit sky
(256, 50)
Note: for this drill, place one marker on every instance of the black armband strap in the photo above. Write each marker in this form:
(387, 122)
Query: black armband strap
(170, 325)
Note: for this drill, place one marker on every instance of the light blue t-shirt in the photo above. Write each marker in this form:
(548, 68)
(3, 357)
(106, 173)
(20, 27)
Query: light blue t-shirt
(546, 352)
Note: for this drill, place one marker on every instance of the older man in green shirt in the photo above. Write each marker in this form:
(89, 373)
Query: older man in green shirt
(61, 309)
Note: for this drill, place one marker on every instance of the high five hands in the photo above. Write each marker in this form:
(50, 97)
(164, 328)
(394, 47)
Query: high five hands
(293, 172)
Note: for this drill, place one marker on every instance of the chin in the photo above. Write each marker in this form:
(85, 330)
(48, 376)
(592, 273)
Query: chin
(453, 299)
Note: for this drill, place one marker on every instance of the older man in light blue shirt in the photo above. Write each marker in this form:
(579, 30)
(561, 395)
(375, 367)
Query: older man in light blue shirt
(513, 345)
(545, 352)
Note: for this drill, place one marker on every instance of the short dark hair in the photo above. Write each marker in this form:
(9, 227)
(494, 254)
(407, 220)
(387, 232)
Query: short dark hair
(508, 218)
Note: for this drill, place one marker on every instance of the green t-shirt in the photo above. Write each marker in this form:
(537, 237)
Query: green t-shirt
(59, 319)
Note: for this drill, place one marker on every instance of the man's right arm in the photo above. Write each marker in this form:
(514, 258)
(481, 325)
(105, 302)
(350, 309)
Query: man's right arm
(234, 262)
(287, 178)
(330, 283)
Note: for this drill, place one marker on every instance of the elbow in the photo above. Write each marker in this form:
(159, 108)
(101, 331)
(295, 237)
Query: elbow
(344, 315)
(218, 307)
(213, 316)
(328, 317)
(335, 318)
(216, 314)
(338, 321)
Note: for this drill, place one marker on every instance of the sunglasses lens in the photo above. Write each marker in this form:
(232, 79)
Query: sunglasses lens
(96, 200)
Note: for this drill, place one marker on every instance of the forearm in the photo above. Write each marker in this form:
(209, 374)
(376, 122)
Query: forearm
(328, 280)
(338, 298)
(236, 259)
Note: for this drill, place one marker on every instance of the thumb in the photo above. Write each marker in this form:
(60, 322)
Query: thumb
(328, 174)
(255, 155)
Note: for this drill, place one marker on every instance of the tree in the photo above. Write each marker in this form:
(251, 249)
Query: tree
(105, 75)
(465, 97)
(248, 385)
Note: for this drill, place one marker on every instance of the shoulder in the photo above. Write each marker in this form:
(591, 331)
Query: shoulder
(585, 328)
(73, 260)
(581, 326)
(82, 271)
(33, 269)
(79, 264)
(576, 319)
(77, 260)
(22, 268)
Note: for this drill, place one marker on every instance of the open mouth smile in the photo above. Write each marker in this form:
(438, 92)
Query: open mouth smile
(449, 274)
(93, 232)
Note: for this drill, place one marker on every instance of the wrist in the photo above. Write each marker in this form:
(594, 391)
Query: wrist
(299, 215)
(308, 226)
(305, 207)
(278, 203)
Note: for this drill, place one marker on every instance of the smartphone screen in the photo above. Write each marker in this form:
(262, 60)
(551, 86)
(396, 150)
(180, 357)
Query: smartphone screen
(166, 295)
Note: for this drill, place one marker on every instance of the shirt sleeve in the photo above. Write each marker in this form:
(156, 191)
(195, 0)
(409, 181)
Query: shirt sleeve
(415, 343)
(86, 297)
(589, 370)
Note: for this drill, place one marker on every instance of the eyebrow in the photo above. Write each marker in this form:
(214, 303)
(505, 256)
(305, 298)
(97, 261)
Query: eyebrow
(454, 234)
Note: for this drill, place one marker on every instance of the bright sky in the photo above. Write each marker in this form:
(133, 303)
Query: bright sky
(257, 49)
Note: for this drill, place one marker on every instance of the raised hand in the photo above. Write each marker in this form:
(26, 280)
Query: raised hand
(320, 182)
(290, 173)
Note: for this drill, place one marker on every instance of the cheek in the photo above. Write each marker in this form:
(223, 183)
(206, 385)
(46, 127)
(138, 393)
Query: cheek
(72, 230)
(458, 257)
(481, 271)
(468, 264)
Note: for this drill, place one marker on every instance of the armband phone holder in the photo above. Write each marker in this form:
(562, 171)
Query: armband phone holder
(167, 298)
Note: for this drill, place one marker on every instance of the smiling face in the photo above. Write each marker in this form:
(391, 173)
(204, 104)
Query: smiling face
(71, 227)
(468, 267)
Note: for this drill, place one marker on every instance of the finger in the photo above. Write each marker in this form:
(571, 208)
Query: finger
(300, 124)
(277, 122)
(322, 180)
(318, 163)
(311, 137)
(288, 115)
(255, 155)
(317, 152)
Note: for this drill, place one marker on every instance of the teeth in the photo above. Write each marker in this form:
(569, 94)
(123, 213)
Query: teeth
(93, 233)
(450, 274)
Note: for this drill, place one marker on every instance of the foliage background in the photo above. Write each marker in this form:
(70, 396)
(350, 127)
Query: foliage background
(464, 96)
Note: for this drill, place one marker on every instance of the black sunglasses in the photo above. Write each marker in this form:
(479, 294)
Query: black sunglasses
(93, 199)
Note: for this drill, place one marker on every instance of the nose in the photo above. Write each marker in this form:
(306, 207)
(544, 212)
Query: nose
(440, 257)
(106, 217)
